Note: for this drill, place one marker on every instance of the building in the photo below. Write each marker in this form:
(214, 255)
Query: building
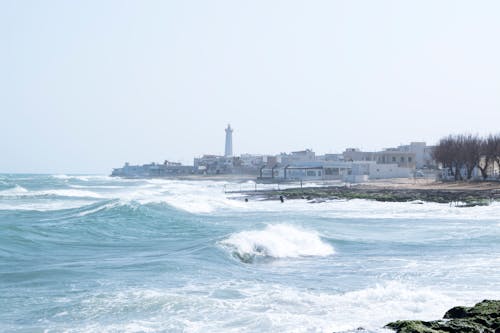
(340, 170)
(213, 165)
(423, 154)
(395, 156)
(330, 157)
(415, 155)
(294, 157)
(210, 164)
(387, 156)
(167, 169)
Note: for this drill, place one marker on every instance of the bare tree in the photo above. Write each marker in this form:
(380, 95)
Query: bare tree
(447, 152)
(471, 152)
(488, 155)
(457, 152)
(495, 150)
(465, 152)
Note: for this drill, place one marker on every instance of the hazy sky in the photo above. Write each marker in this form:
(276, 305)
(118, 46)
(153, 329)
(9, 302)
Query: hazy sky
(87, 85)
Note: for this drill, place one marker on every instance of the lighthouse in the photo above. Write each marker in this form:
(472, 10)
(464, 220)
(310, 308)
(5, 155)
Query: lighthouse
(229, 142)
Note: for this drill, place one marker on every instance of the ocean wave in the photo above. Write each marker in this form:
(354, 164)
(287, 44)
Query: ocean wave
(259, 307)
(84, 178)
(19, 191)
(276, 241)
(69, 193)
(45, 206)
(199, 204)
(14, 191)
(61, 176)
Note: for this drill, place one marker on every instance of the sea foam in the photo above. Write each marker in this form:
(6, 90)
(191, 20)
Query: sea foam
(14, 191)
(276, 241)
(261, 307)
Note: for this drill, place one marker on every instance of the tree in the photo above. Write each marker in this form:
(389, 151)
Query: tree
(464, 152)
(446, 152)
(495, 149)
(471, 152)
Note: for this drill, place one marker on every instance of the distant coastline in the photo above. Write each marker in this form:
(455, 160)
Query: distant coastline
(460, 193)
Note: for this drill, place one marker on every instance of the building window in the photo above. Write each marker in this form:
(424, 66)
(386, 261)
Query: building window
(402, 159)
(394, 158)
(409, 159)
(311, 173)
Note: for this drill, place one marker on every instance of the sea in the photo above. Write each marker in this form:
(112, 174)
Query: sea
(91, 253)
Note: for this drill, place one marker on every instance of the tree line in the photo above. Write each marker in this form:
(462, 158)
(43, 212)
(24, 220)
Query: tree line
(463, 152)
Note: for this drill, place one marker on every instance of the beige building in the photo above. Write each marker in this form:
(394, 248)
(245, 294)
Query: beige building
(388, 156)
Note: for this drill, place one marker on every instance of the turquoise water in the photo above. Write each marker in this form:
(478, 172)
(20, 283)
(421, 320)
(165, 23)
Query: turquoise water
(97, 254)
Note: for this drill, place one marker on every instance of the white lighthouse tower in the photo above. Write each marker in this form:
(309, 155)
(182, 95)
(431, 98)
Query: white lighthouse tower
(229, 142)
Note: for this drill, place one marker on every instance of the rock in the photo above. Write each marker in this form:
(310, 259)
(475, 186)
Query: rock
(484, 317)
(456, 313)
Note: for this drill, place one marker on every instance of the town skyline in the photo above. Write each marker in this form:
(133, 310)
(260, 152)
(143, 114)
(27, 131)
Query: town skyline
(400, 161)
(149, 81)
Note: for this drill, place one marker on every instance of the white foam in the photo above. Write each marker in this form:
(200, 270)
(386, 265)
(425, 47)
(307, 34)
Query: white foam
(208, 197)
(44, 205)
(21, 191)
(197, 197)
(82, 177)
(368, 209)
(99, 208)
(277, 241)
(70, 193)
(61, 176)
(15, 191)
(262, 307)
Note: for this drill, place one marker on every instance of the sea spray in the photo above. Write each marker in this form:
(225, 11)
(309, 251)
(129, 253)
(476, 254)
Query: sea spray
(276, 241)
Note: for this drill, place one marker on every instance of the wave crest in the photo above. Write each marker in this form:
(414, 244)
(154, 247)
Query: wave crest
(13, 191)
(276, 241)
(19, 191)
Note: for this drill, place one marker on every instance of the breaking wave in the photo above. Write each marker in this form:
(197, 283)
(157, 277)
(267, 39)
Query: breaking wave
(19, 191)
(276, 241)
(14, 191)
(84, 178)
(260, 307)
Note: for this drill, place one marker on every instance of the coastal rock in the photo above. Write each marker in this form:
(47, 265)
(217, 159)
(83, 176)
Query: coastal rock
(484, 317)
(459, 198)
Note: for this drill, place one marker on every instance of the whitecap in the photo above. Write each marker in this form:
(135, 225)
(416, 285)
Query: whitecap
(14, 191)
(61, 176)
(70, 193)
(19, 191)
(276, 241)
(267, 307)
(44, 206)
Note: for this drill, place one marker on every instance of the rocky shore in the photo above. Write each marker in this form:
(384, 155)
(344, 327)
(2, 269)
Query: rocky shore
(484, 317)
(461, 197)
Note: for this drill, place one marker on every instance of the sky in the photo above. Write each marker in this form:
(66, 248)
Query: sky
(88, 85)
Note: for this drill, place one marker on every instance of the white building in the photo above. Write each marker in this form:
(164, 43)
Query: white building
(423, 154)
(415, 155)
(295, 157)
(345, 171)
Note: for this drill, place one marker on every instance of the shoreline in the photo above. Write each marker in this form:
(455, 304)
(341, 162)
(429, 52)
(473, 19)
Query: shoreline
(463, 194)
